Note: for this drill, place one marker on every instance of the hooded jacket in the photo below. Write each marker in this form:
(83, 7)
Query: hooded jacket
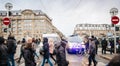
(46, 48)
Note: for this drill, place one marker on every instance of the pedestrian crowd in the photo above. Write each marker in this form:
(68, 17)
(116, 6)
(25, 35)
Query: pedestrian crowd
(50, 50)
(92, 44)
(28, 51)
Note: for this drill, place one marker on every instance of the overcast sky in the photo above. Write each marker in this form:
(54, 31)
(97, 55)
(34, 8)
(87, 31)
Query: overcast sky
(66, 14)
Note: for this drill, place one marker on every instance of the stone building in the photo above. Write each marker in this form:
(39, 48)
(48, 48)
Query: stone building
(27, 22)
(97, 30)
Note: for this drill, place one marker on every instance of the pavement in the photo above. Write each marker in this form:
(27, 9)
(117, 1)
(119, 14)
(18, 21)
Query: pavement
(106, 56)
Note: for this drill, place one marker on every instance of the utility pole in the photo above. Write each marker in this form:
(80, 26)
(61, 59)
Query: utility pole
(113, 12)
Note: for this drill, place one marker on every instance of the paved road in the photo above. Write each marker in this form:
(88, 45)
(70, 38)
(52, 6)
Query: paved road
(74, 60)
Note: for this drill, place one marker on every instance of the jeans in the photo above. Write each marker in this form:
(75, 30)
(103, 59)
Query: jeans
(43, 62)
(92, 58)
(103, 50)
(11, 59)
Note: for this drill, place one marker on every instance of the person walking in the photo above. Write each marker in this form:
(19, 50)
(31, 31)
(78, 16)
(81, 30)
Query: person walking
(11, 44)
(51, 48)
(21, 52)
(111, 46)
(3, 53)
(92, 52)
(28, 53)
(104, 45)
(86, 44)
(96, 43)
(61, 53)
(46, 53)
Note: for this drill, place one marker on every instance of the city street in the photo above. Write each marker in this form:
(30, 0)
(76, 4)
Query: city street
(75, 60)
(55, 26)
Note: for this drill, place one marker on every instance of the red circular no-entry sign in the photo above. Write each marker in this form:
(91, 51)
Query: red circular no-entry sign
(6, 21)
(115, 20)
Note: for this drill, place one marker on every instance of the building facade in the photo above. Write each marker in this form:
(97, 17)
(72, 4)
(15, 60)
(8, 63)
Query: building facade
(27, 22)
(97, 30)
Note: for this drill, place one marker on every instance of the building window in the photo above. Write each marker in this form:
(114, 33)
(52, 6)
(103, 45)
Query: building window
(28, 16)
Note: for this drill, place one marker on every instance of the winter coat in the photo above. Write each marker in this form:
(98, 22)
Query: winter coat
(61, 56)
(29, 57)
(112, 43)
(104, 43)
(92, 47)
(11, 44)
(46, 48)
(3, 54)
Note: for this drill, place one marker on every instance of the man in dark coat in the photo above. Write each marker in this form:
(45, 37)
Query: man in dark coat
(61, 54)
(28, 53)
(96, 43)
(46, 53)
(3, 53)
(11, 44)
(104, 45)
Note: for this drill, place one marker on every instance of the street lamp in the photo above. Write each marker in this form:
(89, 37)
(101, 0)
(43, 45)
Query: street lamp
(113, 12)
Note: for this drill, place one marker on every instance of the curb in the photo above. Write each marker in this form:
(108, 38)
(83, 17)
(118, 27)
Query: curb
(104, 57)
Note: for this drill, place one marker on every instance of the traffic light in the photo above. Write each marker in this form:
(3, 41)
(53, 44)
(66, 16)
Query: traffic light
(116, 28)
(5, 29)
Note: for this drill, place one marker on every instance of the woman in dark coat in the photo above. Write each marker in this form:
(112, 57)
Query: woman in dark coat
(28, 54)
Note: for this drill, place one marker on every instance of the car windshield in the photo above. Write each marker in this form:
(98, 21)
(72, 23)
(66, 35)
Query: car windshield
(75, 39)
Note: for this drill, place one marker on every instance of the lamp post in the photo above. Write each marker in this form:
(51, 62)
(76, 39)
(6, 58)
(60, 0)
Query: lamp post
(113, 12)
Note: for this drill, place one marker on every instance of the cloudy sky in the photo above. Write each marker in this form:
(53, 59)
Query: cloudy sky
(66, 14)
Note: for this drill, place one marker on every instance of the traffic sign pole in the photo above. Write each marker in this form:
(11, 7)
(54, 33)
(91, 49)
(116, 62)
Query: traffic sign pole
(8, 6)
(114, 20)
(114, 39)
(8, 17)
